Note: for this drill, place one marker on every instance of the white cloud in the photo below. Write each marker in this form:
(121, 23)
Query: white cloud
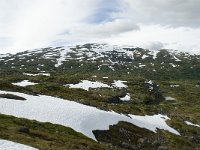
(184, 39)
(35, 23)
(156, 45)
(177, 13)
(173, 24)
(106, 29)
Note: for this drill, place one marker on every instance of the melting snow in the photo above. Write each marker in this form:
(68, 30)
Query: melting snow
(99, 67)
(112, 68)
(119, 84)
(8, 145)
(149, 82)
(192, 124)
(169, 98)
(130, 54)
(4, 55)
(141, 66)
(24, 83)
(176, 59)
(173, 65)
(43, 74)
(80, 117)
(154, 53)
(144, 56)
(63, 53)
(174, 85)
(127, 97)
(85, 84)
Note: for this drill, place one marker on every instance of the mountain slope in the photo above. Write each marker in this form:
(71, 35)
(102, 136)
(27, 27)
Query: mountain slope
(110, 79)
(105, 58)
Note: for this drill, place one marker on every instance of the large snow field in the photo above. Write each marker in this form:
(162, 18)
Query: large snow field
(79, 117)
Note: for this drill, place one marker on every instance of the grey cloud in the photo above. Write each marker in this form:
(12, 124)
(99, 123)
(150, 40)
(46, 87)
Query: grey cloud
(155, 45)
(176, 13)
(117, 27)
(104, 11)
(107, 29)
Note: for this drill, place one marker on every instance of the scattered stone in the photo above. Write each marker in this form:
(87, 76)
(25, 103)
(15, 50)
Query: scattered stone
(24, 130)
(114, 100)
(141, 141)
(129, 146)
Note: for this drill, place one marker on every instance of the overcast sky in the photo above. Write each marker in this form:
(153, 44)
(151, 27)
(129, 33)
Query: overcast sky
(153, 24)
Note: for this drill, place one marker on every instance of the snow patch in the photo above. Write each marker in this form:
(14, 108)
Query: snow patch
(119, 84)
(112, 68)
(144, 56)
(169, 98)
(141, 66)
(43, 74)
(149, 82)
(24, 83)
(154, 53)
(127, 97)
(85, 84)
(173, 65)
(176, 59)
(8, 145)
(192, 124)
(63, 53)
(174, 85)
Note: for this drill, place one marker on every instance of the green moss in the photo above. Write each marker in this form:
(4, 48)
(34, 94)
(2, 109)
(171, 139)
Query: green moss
(44, 136)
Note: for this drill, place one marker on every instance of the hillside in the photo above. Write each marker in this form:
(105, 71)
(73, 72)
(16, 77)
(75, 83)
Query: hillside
(100, 96)
(106, 58)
